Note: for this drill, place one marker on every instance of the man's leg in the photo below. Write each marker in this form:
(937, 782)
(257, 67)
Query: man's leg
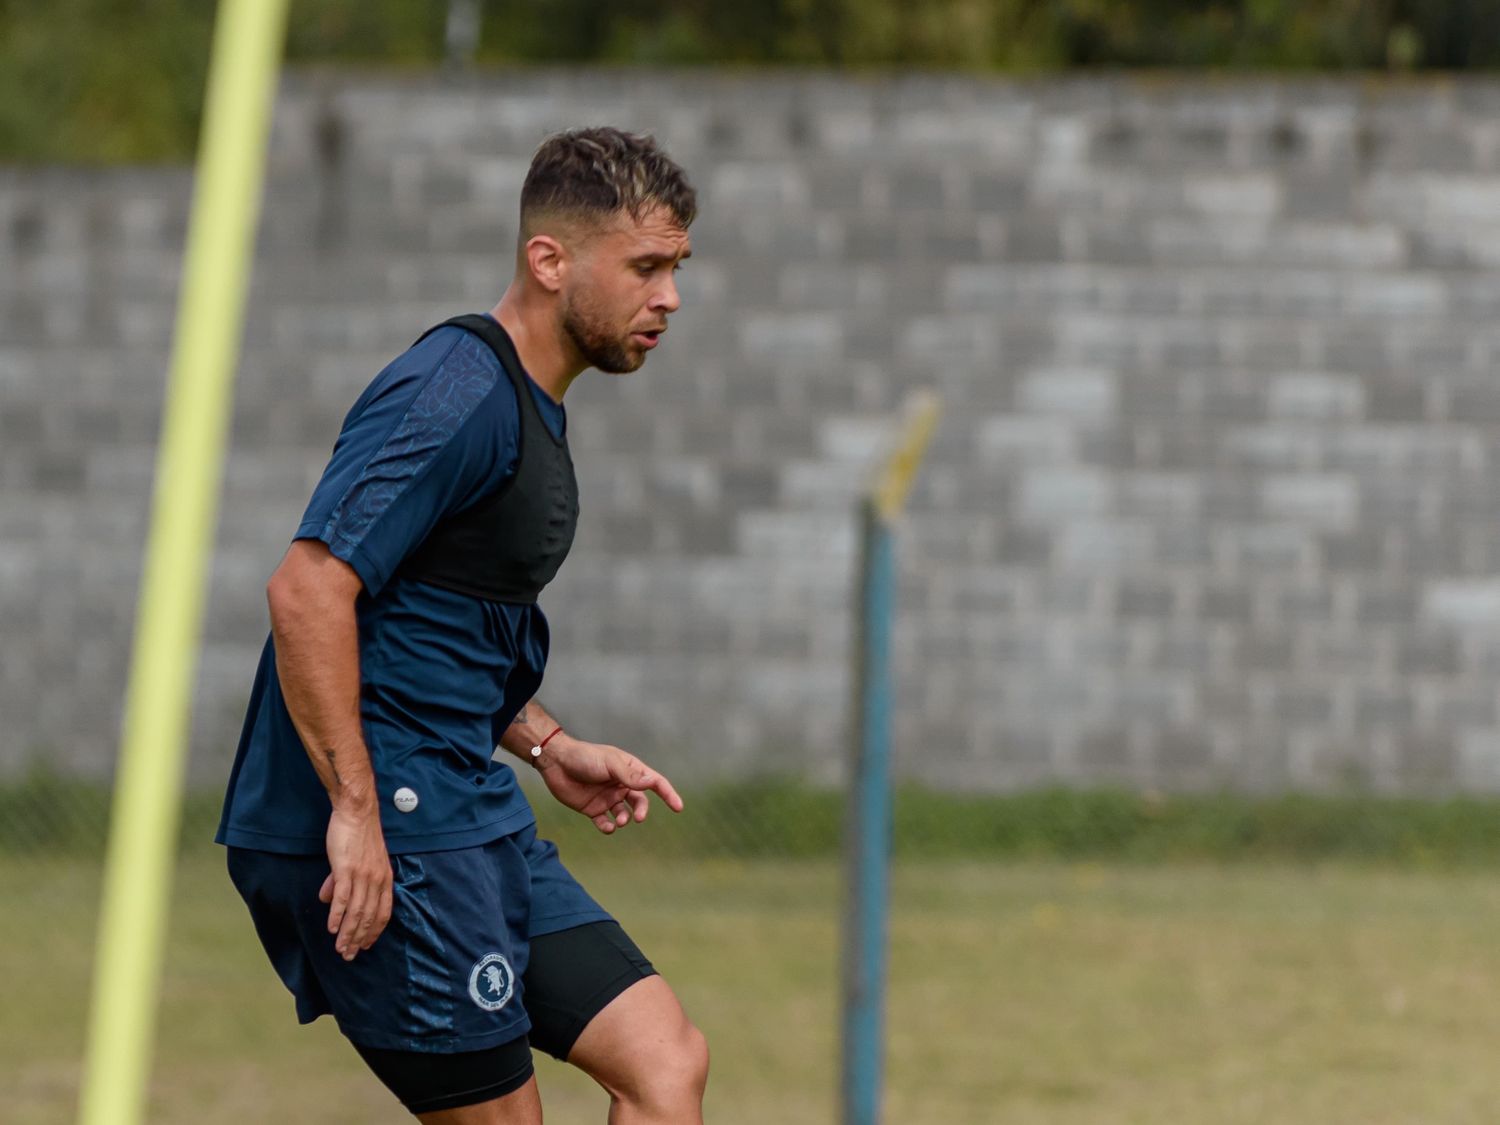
(596, 1002)
(493, 1086)
(520, 1107)
(646, 1053)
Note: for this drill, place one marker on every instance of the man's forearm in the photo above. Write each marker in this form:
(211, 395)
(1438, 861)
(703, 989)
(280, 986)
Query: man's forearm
(529, 728)
(316, 639)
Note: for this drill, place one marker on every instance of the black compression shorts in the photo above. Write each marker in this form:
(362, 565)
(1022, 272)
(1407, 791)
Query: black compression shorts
(570, 978)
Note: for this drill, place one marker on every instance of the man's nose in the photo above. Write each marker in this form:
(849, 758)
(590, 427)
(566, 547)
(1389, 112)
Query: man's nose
(667, 299)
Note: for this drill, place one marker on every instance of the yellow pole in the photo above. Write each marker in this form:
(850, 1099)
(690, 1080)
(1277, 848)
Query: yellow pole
(189, 467)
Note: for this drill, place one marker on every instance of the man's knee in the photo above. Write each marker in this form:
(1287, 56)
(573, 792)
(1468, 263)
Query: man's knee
(673, 1073)
(694, 1056)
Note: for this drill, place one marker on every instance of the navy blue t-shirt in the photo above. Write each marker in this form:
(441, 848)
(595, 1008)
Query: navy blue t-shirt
(442, 674)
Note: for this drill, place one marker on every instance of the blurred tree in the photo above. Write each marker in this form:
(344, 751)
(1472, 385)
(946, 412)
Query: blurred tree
(108, 80)
(112, 80)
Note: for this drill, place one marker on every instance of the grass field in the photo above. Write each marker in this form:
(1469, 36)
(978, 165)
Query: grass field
(1021, 991)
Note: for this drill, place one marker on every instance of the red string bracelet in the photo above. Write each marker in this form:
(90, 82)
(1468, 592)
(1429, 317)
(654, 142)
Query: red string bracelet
(536, 751)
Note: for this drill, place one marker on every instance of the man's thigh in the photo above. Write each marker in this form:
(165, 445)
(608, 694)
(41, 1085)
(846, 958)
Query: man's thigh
(575, 974)
(434, 1007)
(441, 978)
(580, 959)
(645, 1051)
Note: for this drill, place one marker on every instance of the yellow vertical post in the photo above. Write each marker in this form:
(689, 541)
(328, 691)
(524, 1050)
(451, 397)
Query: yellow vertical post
(190, 460)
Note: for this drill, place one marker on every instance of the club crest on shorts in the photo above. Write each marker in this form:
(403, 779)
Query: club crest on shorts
(491, 982)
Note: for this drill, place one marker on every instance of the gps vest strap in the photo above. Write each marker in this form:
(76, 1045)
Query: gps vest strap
(509, 545)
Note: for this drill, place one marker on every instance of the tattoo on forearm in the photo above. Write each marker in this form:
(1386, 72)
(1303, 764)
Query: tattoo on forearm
(333, 767)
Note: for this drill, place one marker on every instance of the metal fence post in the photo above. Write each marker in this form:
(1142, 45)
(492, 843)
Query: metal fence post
(868, 817)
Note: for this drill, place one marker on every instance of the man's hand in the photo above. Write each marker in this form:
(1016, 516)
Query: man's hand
(359, 886)
(604, 783)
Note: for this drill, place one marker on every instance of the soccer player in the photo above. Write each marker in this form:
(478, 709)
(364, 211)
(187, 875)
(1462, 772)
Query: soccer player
(392, 869)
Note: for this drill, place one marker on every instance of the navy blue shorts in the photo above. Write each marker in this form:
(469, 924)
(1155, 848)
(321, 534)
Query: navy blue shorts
(449, 972)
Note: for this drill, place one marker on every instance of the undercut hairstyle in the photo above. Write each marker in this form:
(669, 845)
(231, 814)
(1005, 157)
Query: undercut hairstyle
(587, 176)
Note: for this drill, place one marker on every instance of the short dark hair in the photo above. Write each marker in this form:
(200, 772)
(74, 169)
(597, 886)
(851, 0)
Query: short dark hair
(598, 172)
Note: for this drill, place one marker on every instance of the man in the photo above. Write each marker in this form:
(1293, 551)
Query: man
(392, 869)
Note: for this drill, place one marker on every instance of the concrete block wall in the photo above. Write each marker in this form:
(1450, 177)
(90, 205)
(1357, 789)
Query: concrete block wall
(1213, 502)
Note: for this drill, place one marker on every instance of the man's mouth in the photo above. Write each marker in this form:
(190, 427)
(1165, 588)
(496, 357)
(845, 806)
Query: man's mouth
(650, 338)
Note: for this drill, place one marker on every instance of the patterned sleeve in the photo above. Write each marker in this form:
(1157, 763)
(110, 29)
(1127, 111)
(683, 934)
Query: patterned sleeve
(436, 431)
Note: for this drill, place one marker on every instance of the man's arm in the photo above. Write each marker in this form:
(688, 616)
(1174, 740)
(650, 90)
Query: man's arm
(529, 728)
(604, 783)
(316, 638)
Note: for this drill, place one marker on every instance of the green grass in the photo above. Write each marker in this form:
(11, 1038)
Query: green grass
(1022, 990)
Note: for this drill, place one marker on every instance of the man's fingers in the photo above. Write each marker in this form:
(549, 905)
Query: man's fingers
(650, 779)
(638, 778)
(374, 913)
(604, 823)
(325, 893)
(640, 804)
(352, 931)
(353, 914)
(339, 903)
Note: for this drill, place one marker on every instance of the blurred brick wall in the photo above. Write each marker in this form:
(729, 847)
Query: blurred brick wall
(1212, 503)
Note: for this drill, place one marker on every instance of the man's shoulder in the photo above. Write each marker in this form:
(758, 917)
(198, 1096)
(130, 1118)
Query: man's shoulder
(448, 356)
(442, 377)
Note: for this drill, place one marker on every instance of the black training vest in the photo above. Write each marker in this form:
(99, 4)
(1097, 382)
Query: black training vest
(509, 545)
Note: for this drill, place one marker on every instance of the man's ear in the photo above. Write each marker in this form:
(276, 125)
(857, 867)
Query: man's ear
(547, 261)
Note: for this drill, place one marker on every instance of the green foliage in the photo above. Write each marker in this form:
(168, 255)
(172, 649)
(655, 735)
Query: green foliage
(387, 31)
(781, 818)
(122, 80)
(114, 81)
(996, 34)
(103, 80)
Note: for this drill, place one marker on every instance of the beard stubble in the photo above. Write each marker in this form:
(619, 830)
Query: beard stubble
(601, 349)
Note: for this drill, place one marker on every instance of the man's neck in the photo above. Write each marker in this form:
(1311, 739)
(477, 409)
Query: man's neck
(548, 359)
